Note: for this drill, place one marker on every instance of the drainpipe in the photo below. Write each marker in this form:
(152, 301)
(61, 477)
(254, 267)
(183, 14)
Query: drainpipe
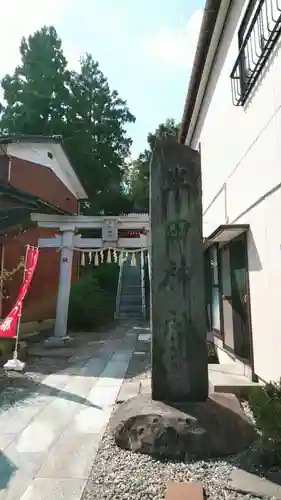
(225, 204)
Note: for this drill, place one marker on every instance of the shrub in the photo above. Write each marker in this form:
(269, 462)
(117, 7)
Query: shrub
(92, 298)
(107, 277)
(212, 354)
(89, 305)
(265, 403)
(7, 346)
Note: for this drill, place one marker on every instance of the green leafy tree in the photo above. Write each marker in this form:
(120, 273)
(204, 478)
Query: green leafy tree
(138, 179)
(43, 97)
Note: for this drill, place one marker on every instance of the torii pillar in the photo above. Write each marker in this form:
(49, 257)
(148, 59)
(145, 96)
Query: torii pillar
(60, 336)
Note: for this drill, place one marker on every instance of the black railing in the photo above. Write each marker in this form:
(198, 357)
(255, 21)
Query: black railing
(258, 42)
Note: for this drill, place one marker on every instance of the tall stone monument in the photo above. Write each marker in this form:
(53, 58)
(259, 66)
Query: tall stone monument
(179, 350)
(179, 420)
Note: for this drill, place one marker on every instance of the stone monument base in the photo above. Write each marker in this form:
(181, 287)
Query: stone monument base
(214, 428)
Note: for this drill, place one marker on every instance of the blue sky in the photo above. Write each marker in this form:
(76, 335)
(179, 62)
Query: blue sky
(144, 47)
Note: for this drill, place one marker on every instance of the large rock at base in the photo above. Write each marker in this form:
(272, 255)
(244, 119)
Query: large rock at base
(217, 427)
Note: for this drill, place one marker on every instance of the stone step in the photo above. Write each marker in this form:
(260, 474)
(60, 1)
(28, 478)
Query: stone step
(130, 312)
(128, 296)
(130, 300)
(131, 282)
(130, 307)
(133, 315)
(223, 379)
(131, 290)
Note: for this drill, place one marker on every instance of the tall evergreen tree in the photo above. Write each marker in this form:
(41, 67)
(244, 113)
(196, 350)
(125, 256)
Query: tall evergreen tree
(37, 94)
(44, 97)
(96, 120)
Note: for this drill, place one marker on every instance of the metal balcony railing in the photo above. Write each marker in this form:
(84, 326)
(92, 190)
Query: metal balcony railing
(258, 42)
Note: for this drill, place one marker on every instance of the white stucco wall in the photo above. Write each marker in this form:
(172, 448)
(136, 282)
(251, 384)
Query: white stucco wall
(241, 160)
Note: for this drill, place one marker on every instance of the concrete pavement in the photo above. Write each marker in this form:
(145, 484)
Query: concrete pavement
(48, 441)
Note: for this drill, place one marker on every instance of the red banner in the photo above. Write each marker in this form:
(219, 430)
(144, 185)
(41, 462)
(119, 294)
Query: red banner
(8, 327)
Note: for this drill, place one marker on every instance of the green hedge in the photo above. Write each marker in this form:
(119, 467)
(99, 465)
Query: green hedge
(265, 403)
(107, 277)
(92, 298)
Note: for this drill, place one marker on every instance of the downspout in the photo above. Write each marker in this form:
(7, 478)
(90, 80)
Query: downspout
(9, 168)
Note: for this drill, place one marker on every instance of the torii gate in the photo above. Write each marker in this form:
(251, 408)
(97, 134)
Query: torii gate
(67, 241)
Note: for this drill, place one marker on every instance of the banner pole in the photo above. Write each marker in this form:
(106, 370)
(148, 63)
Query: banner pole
(15, 355)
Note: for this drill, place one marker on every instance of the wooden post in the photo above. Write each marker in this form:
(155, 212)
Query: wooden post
(179, 350)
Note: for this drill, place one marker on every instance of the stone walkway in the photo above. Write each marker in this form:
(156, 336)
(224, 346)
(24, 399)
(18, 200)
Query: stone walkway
(49, 439)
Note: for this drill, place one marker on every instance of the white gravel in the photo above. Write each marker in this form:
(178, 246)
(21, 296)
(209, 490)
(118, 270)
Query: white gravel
(123, 475)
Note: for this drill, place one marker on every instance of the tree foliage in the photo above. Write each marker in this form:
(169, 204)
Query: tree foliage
(139, 173)
(43, 97)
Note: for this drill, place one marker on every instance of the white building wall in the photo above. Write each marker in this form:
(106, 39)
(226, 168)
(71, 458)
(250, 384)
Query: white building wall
(241, 160)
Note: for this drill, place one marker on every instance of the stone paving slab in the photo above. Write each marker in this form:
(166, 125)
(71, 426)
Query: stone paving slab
(72, 456)
(92, 420)
(128, 390)
(42, 431)
(79, 386)
(16, 419)
(94, 367)
(16, 487)
(113, 373)
(54, 489)
(146, 337)
(5, 440)
(247, 483)
(50, 440)
(101, 396)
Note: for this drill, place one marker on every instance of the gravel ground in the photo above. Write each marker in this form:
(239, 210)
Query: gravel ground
(122, 475)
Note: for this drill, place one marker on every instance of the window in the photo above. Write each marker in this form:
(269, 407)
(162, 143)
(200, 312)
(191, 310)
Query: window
(212, 289)
(257, 35)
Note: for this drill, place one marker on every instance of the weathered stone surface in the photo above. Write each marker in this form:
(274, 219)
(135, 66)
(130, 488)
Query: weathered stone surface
(244, 482)
(216, 427)
(179, 351)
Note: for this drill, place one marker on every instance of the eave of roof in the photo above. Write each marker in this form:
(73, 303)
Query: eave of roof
(32, 200)
(55, 139)
(210, 15)
(10, 138)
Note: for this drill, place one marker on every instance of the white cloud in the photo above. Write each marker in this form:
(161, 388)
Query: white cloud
(174, 46)
(22, 18)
